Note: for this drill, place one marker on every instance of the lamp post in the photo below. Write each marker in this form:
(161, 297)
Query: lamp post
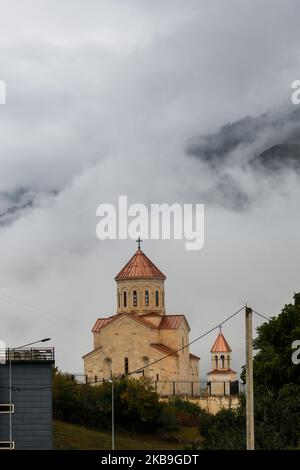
(10, 382)
(111, 380)
(112, 415)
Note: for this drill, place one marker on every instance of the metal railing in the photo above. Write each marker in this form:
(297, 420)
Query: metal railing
(173, 388)
(27, 355)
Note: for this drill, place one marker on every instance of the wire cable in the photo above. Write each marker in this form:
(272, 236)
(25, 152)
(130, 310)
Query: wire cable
(141, 368)
(186, 345)
(261, 315)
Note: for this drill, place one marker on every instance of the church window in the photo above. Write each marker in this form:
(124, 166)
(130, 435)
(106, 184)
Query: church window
(157, 298)
(222, 362)
(107, 367)
(134, 298)
(146, 298)
(126, 366)
(216, 361)
(125, 299)
(145, 360)
(119, 300)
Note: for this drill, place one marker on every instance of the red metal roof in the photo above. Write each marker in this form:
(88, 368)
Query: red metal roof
(168, 322)
(164, 349)
(140, 267)
(221, 371)
(193, 356)
(101, 322)
(171, 322)
(220, 345)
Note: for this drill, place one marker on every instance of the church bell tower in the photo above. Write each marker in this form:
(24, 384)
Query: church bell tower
(140, 286)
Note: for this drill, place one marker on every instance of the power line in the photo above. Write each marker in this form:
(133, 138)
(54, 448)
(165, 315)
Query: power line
(145, 366)
(188, 344)
(261, 315)
(139, 370)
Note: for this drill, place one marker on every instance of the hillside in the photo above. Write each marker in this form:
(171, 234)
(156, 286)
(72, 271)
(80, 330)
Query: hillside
(71, 436)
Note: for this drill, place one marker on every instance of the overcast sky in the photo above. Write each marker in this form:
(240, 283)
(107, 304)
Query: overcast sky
(103, 99)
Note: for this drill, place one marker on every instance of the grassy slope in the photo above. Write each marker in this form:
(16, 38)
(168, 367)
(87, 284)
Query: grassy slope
(72, 436)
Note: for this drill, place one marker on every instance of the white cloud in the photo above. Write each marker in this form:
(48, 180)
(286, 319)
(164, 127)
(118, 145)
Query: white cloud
(102, 100)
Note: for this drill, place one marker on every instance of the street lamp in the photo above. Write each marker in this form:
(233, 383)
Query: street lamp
(111, 380)
(10, 382)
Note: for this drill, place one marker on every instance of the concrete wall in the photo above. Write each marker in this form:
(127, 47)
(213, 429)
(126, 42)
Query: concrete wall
(32, 419)
(214, 404)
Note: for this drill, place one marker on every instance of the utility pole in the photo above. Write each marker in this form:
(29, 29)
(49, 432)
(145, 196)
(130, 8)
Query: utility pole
(249, 380)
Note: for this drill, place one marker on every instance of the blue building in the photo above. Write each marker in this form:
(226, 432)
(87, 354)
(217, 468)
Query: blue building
(26, 415)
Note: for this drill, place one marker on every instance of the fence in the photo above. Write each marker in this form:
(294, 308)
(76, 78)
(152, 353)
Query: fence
(169, 388)
(27, 355)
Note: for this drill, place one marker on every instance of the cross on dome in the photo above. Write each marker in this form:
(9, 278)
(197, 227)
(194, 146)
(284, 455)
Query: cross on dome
(139, 241)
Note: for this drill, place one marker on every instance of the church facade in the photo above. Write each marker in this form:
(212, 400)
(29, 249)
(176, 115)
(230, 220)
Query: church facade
(141, 332)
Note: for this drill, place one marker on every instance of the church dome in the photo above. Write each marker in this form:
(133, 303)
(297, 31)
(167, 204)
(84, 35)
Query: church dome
(139, 267)
(220, 345)
(140, 286)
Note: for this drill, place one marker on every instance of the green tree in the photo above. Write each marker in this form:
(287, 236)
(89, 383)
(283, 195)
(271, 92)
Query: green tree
(137, 406)
(276, 391)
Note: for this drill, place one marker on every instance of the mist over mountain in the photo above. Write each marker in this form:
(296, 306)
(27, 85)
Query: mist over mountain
(264, 149)
(18, 203)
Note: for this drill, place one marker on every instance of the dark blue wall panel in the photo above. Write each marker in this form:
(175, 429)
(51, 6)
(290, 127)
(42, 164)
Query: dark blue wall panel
(32, 419)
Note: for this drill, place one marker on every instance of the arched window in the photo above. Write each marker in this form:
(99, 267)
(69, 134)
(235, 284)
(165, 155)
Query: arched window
(107, 367)
(222, 362)
(119, 299)
(216, 361)
(135, 298)
(157, 298)
(146, 298)
(125, 299)
(163, 298)
(228, 362)
(126, 366)
(145, 360)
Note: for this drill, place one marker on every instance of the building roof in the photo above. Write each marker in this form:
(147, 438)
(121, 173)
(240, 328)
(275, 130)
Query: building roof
(221, 371)
(164, 349)
(220, 345)
(91, 353)
(193, 356)
(171, 322)
(139, 267)
(168, 322)
(101, 322)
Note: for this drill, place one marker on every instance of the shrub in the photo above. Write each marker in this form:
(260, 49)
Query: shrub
(136, 405)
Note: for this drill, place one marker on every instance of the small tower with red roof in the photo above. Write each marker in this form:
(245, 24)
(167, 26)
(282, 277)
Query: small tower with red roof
(221, 374)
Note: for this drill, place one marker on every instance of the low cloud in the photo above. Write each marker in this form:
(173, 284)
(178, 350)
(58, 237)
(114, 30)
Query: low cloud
(104, 101)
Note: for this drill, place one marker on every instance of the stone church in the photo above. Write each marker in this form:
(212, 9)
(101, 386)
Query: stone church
(141, 332)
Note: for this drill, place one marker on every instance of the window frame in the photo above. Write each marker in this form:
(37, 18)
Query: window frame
(11, 408)
(146, 298)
